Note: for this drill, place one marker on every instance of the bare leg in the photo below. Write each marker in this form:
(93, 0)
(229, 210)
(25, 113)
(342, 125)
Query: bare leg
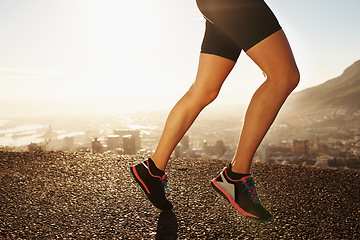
(212, 72)
(274, 57)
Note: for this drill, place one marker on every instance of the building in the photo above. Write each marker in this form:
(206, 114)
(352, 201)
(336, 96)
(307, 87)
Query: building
(322, 162)
(129, 145)
(34, 147)
(357, 137)
(96, 146)
(68, 143)
(264, 152)
(185, 142)
(214, 150)
(300, 147)
(113, 142)
(135, 136)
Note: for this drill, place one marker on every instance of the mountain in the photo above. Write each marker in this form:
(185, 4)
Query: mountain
(339, 92)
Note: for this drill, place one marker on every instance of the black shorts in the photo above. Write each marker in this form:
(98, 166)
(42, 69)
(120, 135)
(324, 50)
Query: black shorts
(235, 25)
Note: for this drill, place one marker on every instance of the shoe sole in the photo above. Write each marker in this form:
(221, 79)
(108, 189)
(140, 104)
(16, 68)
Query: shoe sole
(226, 196)
(144, 188)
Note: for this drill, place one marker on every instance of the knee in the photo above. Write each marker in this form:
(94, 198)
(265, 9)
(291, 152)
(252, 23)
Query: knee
(293, 79)
(202, 97)
(286, 81)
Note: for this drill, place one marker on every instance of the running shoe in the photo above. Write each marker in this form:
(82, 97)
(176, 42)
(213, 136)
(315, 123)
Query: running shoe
(153, 186)
(242, 195)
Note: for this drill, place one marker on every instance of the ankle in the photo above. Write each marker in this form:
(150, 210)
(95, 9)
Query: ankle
(159, 162)
(240, 170)
(235, 175)
(154, 169)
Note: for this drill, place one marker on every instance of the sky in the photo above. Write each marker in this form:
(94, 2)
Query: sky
(111, 56)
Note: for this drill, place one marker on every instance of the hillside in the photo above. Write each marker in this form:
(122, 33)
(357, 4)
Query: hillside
(342, 91)
(56, 195)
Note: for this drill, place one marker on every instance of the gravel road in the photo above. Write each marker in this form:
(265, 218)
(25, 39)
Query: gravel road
(61, 195)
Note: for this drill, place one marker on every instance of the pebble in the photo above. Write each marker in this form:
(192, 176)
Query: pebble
(80, 195)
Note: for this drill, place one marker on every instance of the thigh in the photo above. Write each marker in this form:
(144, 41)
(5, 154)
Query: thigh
(274, 56)
(246, 22)
(211, 74)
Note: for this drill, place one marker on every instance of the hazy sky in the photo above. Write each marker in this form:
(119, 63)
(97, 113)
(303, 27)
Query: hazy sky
(113, 55)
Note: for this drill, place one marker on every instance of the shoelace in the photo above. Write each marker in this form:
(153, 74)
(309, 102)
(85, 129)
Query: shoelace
(250, 186)
(165, 182)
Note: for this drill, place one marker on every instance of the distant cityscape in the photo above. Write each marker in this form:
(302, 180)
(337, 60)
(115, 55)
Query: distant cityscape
(317, 127)
(326, 139)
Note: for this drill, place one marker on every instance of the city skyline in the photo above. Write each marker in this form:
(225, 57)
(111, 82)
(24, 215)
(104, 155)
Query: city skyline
(74, 56)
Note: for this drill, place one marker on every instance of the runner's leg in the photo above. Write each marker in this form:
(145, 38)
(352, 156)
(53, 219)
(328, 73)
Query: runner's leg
(212, 72)
(274, 57)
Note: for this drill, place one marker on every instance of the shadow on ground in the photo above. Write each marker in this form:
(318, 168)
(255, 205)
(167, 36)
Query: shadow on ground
(167, 227)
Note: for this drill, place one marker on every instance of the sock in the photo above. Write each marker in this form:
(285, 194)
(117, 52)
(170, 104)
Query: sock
(154, 170)
(234, 175)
